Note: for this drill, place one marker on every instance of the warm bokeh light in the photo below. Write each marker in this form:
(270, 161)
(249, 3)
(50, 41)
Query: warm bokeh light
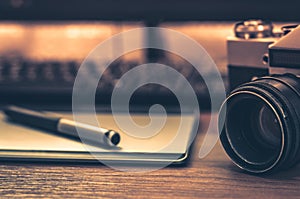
(74, 40)
(57, 41)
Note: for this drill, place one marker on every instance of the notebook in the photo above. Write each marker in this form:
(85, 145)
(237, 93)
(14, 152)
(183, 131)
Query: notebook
(169, 145)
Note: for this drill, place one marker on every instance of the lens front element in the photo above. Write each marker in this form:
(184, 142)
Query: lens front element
(268, 129)
(251, 135)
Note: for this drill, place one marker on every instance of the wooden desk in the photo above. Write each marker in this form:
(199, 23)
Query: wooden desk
(212, 177)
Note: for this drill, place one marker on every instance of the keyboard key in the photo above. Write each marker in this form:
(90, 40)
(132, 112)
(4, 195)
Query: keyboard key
(1, 72)
(48, 72)
(31, 72)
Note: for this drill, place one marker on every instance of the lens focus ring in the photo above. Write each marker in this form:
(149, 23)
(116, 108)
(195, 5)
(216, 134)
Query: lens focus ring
(261, 130)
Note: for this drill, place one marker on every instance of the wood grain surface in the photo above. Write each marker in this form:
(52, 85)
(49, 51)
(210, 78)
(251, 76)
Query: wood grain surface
(212, 177)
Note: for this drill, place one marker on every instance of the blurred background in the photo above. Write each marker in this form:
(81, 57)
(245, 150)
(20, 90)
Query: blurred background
(43, 42)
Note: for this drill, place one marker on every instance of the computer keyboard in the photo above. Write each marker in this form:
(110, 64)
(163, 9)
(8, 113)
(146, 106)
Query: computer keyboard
(25, 81)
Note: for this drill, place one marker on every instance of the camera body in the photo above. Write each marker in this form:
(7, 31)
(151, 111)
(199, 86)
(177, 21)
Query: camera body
(246, 51)
(259, 122)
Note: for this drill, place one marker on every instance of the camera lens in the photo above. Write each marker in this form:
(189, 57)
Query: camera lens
(267, 128)
(259, 124)
(247, 135)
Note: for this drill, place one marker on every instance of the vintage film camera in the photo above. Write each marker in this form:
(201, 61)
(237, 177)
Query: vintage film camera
(260, 119)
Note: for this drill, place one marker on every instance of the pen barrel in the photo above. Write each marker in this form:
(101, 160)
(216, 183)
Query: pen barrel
(87, 133)
(32, 118)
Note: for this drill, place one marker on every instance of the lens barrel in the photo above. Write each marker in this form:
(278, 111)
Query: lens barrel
(259, 124)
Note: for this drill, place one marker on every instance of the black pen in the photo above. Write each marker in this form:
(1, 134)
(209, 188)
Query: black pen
(88, 133)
